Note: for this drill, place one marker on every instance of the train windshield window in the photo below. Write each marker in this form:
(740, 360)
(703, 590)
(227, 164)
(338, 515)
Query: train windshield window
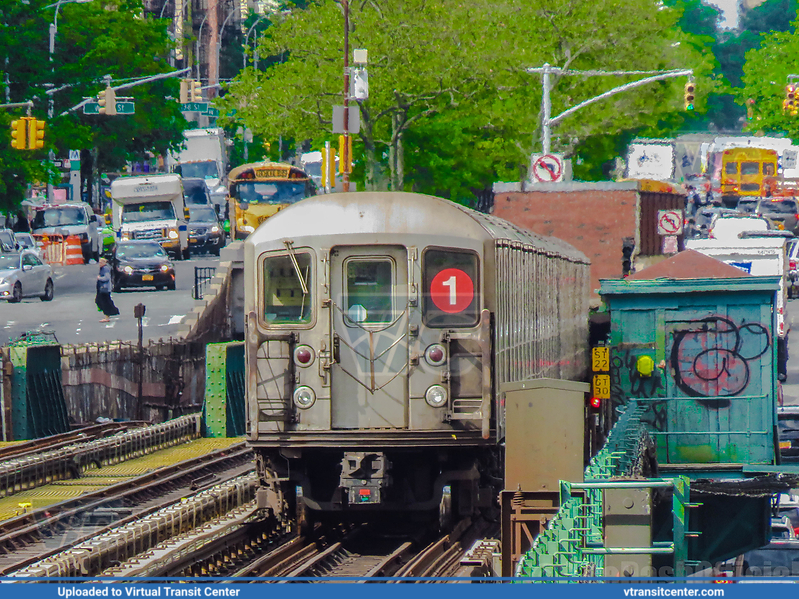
(285, 302)
(731, 168)
(370, 290)
(451, 294)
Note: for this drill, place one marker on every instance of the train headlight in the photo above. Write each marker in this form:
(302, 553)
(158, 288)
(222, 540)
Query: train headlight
(436, 396)
(304, 355)
(172, 233)
(435, 355)
(304, 397)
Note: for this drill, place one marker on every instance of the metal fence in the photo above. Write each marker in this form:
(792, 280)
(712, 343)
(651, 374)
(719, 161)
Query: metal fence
(202, 278)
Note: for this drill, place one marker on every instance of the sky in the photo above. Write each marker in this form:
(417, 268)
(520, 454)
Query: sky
(730, 9)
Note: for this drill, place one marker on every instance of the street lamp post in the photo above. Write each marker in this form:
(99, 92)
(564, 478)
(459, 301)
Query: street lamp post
(199, 41)
(214, 83)
(53, 31)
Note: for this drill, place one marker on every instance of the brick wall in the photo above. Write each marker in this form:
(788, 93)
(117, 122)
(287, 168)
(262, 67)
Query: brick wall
(593, 221)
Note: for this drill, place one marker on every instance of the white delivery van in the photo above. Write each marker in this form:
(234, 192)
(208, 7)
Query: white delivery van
(758, 256)
(151, 207)
(204, 156)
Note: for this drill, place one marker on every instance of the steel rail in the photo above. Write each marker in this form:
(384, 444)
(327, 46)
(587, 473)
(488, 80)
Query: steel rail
(32, 527)
(83, 434)
(32, 471)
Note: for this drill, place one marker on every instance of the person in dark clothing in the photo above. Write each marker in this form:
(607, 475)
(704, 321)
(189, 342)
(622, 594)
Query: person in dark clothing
(22, 225)
(103, 298)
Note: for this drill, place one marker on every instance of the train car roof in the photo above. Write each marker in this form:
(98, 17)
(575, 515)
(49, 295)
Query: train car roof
(386, 212)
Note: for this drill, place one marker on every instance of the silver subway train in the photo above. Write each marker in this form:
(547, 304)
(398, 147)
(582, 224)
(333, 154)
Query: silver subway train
(379, 327)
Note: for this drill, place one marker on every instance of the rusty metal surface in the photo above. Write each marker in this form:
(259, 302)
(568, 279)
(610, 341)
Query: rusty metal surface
(101, 379)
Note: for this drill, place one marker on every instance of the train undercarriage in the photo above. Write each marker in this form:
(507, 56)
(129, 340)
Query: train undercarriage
(420, 484)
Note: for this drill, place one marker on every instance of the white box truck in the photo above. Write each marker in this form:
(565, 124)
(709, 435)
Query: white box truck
(151, 207)
(758, 256)
(204, 156)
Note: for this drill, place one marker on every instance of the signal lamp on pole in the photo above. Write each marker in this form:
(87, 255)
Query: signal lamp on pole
(107, 99)
(690, 89)
(19, 132)
(35, 134)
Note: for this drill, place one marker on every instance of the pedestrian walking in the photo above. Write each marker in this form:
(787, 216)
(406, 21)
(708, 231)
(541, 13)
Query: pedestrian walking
(103, 299)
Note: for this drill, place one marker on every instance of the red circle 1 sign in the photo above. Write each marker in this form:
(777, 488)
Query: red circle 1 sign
(452, 290)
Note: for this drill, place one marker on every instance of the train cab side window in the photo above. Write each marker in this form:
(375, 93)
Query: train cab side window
(370, 290)
(285, 301)
(451, 288)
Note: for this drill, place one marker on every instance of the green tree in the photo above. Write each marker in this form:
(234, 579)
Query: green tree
(765, 78)
(94, 39)
(451, 104)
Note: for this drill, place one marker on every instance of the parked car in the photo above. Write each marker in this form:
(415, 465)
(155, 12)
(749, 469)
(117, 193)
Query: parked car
(748, 205)
(205, 232)
(7, 241)
(141, 264)
(704, 219)
(195, 192)
(25, 241)
(782, 212)
(23, 274)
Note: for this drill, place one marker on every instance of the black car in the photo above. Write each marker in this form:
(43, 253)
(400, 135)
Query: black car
(195, 192)
(141, 264)
(205, 232)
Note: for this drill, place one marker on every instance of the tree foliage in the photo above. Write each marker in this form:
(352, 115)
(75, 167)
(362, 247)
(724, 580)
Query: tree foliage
(451, 106)
(765, 78)
(93, 39)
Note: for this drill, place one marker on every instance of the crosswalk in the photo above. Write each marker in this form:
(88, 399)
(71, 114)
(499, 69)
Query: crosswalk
(91, 330)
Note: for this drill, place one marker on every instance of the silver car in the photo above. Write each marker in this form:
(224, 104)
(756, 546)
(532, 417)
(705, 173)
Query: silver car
(24, 274)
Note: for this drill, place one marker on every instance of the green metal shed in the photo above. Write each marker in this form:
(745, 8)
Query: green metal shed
(694, 339)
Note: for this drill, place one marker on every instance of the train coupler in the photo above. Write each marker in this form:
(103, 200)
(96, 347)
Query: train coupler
(365, 476)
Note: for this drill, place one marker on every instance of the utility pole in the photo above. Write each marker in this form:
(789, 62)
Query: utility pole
(344, 159)
(547, 70)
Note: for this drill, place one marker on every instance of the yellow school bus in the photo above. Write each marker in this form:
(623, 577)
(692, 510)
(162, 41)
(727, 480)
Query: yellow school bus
(748, 172)
(261, 189)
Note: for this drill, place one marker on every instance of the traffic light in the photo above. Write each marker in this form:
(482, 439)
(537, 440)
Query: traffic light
(750, 109)
(185, 84)
(690, 88)
(328, 167)
(19, 132)
(35, 134)
(196, 94)
(627, 249)
(108, 101)
(344, 154)
(790, 99)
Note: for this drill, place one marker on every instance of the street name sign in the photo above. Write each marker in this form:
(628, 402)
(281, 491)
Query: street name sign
(194, 107)
(123, 107)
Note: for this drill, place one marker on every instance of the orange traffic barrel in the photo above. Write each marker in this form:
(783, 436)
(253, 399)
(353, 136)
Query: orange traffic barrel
(74, 254)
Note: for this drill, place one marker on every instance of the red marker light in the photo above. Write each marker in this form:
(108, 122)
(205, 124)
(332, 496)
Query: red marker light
(436, 354)
(595, 402)
(303, 355)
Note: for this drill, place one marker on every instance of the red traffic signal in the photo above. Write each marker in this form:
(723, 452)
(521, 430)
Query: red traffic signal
(595, 402)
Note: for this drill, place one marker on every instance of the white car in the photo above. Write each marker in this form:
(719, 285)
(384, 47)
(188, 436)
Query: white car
(25, 241)
(23, 274)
